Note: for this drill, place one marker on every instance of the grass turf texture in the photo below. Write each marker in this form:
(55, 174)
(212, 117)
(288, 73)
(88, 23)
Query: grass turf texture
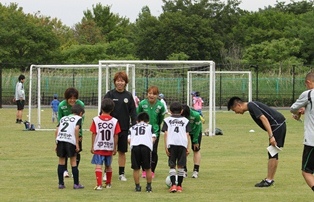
(231, 164)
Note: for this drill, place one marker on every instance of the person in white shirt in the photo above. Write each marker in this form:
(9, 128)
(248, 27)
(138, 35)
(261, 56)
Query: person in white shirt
(19, 98)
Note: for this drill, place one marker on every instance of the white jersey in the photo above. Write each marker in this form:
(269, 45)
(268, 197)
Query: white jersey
(141, 134)
(177, 127)
(105, 131)
(66, 129)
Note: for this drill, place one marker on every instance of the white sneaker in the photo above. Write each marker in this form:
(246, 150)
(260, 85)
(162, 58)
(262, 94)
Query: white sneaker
(104, 178)
(108, 186)
(98, 188)
(66, 174)
(122, 178)
(195, 174)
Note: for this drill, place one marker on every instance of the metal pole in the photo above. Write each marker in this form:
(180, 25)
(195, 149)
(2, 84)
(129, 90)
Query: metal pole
(293, 82)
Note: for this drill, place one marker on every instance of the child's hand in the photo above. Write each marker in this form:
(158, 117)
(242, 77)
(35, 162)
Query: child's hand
(167, 152)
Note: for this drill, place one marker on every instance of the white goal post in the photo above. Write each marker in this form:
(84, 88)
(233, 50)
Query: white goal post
(212, 93)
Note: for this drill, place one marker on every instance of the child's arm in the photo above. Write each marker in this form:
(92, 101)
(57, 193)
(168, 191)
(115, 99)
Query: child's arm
(93, 142)
(77, 130)
(165, 141)
(189, 143)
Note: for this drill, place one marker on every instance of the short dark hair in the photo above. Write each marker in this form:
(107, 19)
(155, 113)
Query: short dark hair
(176, 107)
(107, 105)
(21, 77)
(186, 111)
(143, 116)
(77, 109)
(71, 92)
(232, 101)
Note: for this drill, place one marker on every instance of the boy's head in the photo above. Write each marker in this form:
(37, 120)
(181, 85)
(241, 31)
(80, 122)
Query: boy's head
(309, 80)
(197, 94)
(176, 108)
(107, 105)
(55, 96)
(78, 110)
(185, 111)
(21, 77)
(143, 116)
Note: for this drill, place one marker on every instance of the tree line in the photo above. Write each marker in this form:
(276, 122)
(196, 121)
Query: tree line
(275, 36)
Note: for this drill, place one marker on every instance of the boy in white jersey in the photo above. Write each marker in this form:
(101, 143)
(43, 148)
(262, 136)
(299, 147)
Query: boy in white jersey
(105, 130)
(67, 140)
(141, 138)
(177, 141)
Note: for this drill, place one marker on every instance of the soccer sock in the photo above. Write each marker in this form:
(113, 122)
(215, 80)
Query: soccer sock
(75, 173)
(313, 188)
(196, 167)
(60, 171)
(149, 184)
(137, 185)
(109, 176)
(98, 173)
(121, 170)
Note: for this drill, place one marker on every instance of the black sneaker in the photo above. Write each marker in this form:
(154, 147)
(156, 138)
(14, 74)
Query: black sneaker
(149, 189)
(264, 183)
(138, 189)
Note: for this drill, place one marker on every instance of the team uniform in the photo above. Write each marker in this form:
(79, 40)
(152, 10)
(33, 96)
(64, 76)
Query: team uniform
(156, 114)
(19, 95)
(124, 110)
(305, 100)
(196, 128)
(141, 143)
(105, 127)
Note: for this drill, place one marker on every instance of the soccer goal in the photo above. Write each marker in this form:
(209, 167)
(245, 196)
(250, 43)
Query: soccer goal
(226, 85)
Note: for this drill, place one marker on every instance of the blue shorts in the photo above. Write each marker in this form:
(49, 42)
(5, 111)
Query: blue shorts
(100, 160)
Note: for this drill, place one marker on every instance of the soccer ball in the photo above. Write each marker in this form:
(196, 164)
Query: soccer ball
(168, 181)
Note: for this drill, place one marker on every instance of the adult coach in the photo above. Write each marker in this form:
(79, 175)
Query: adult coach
(124, 111)
(303, 105)
(270, 120)
(19, 98)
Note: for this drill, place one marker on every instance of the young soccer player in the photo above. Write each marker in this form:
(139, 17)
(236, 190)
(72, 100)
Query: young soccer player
(67, 143)
(270, 120)
(198, 102)
(177, 142)
(54, 105)
(156, 111)
(19, 98)
(125, 112)
(140, 138)
(304, 106)
(64, 109)
(195, 136)
(105, 130)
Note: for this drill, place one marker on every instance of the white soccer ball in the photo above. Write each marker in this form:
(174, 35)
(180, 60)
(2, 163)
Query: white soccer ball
(168, 181)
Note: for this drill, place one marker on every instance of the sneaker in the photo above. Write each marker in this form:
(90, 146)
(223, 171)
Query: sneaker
(195, 174)
(143, 174)
(98, 187)
(264, 183)
(149, 189)
(66, 174)
(61, 186)
(122, 178)
(138, 189)
(104, 178)
(153, 175)
(173, 188)
(179, 189)
(78, 186)
(108, 186)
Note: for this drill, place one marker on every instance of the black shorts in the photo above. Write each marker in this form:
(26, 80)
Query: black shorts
(308, 159)
(123, 141)
(280, 135)
(177, 156)
(65, 149)
(20, 104)
(141, 156)
(199, 141)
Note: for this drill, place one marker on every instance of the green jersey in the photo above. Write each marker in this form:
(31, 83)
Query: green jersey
(64, 109)
(195, 124)
(156, 113)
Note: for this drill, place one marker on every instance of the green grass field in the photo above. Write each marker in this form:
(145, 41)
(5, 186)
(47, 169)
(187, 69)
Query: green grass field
(231, 165)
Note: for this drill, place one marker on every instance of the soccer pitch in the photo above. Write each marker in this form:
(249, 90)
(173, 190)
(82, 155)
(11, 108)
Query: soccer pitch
(230, 166)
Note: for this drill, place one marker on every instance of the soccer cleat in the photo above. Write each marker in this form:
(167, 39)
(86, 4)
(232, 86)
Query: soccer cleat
(195, 174)
(98, 187)
(149, 189)
(264, 183)
(122, 178)
(78, 186)
(108, 186)
(61, 186)
(104, 178)
(143, 174)
(173, 189)
(138, 189)
(179, 189)
(66, 174)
